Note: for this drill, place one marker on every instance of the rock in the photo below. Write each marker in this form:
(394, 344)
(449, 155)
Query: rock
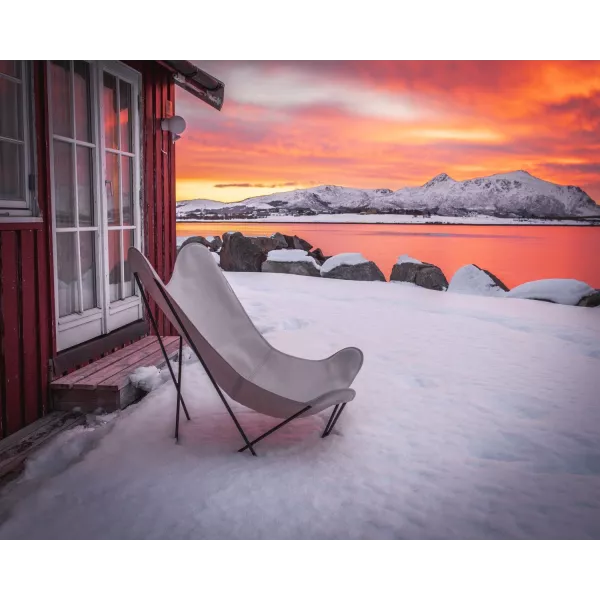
(240, 253)
(351, 266)
(590, 300)
(196, 239)
(422, 274)
(269, 243)
(292, 262)
(296, 243)
(281, 239)
(318, 255)
(215, 243)
(495, 279)
(471, 279)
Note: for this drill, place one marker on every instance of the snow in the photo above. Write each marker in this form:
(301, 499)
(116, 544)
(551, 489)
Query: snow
(346, 258)
(291, 256)
(561, 291)
(405, 258)
(471, 280)
(147, 378)
(475, 417)
(217, 257)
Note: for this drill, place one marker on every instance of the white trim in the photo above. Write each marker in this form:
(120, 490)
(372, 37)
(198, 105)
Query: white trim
(24, 219)
(76, 319)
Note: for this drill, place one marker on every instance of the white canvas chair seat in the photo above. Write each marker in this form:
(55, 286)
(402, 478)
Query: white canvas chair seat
(206, 312)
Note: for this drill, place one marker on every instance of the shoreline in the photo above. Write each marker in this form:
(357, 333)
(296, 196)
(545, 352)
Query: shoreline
(397, 220)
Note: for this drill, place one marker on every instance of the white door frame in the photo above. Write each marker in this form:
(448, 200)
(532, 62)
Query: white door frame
(84, 325)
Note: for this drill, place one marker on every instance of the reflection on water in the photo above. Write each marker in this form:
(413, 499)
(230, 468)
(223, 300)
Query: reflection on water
(515, 254)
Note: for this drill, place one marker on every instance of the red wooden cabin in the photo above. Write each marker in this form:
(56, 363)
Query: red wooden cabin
(86, 171)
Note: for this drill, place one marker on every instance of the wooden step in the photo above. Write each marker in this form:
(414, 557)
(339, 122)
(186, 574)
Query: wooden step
(105, 383)
(16, 448)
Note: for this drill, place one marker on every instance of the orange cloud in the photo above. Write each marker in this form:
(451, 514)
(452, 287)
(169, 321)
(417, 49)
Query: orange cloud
(390, 124)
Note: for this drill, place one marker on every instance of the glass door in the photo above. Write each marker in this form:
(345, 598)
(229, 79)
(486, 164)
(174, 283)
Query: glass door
(95, 196)
(120, 164)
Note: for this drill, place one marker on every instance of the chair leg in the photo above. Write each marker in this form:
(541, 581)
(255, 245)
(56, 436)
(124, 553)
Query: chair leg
(177, 382)
(335, 415)
(273, 429)
(205, 367)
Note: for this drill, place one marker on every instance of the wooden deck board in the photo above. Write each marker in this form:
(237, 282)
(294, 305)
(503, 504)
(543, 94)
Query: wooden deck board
(119, 380)
(69, 380)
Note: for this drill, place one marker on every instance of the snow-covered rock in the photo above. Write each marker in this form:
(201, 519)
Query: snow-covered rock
(293, 262)
(559, 291)
(471, 279)
(351, 265)
(405, 258)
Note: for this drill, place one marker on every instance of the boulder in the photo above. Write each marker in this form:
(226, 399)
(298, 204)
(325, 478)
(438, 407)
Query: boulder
(422, 274)
(195, 239)
(351, 266)
(281, 239)
(560, 291)
(295, 243)
(215, 242)
(318, 255)
(471, 279)
(292, 262)
(269, 243)
(590, 300)
(240, 253)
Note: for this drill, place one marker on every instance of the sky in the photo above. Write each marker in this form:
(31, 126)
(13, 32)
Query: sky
(388, 124)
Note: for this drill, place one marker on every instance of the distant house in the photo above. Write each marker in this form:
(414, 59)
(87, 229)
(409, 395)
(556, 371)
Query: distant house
(86, 171)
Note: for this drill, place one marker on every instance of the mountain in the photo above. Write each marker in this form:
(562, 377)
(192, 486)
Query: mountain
(515, 194)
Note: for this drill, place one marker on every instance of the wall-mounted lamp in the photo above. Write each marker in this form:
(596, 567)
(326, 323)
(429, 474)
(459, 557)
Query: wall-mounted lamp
(175, 125)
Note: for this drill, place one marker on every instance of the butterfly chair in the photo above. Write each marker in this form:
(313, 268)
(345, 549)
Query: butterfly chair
(203, 308)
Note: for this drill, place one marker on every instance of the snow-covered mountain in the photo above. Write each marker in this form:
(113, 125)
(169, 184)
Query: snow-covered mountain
(515, 194)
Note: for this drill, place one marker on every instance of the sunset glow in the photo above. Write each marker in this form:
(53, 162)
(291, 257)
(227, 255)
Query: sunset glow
(288, 125)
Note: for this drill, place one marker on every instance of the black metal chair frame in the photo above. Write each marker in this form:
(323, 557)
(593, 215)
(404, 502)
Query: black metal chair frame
(335, 415)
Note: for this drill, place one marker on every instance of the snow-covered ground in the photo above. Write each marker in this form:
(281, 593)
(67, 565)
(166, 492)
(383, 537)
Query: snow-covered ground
(401, 219)
(475, 417)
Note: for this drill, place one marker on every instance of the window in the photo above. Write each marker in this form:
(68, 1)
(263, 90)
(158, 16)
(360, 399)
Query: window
(16, 149)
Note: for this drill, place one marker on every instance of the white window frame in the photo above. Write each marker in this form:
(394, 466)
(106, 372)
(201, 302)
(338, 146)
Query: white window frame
(77, 328)
(25, 210)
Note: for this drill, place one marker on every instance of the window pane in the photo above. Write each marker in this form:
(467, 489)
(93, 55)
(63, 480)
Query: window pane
(128, 241)
(112, 188)
(63, 184)
(111, 129)
(11, 110)
(11, 171)
(66, 262)
(87, 242)
(127, 182)
(114, 264)
(11, 68)
(61, 98)
(83, 118)
(85, 189)
(125, 116)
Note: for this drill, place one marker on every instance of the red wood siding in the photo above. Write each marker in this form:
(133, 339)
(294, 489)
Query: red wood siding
(26, 305)
(158, 182)
(27, 333)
